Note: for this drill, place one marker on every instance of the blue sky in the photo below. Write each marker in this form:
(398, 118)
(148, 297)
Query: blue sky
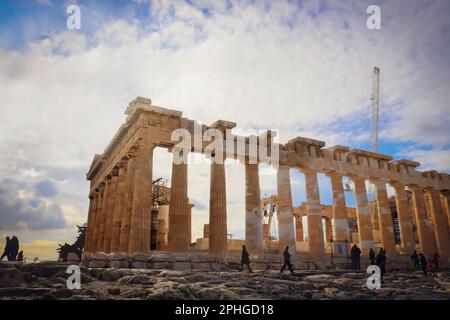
(301, 67)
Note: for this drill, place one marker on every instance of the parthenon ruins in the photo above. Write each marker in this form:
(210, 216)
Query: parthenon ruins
(120, 209)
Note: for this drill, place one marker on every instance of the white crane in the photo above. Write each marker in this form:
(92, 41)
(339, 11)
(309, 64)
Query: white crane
(375, 109)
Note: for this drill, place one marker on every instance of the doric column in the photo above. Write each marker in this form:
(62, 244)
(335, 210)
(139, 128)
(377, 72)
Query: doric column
(253, 212)
(404, 219)
(298, 229)
(363, 216)
(97, 215)
(341, 229)
(178, 237)
(90, 223)
(286, 228)
(423, 224)
(139, 238)
(118, 213)
(103, 213)
(217, 211)
(128, 204)
(110, 214)
(314, 214)
(385, 218)
(446, 205)
(439, 222)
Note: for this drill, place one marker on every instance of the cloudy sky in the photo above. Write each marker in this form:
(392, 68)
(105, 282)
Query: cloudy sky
(302, 67)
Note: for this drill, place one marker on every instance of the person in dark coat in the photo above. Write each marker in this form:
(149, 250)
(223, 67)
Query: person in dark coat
(435, 260)
(245, 259)
(20, 256)
(372, 257)
(14, 248)
(355, 254)
(7, 250)
(415, 258)
(423, 263)
(381, 262)
(287, 261)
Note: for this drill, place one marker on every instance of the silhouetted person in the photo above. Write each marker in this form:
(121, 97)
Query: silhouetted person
(415, 258)
(423, 263)
(381, 262)
(7, 250)
(372, 257)
(14, 248)
(287, 260)
(435, 259)
(245, 259)
(355, 255)
(20, 256)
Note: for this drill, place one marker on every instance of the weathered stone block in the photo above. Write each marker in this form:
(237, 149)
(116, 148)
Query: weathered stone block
(139, 265)
(201, 266)
(159, 265)
(119, 264)
(97, 264)
(181, 266)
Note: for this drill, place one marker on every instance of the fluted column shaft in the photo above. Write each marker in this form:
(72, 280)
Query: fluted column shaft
(127, 207)
(446, 205)
(102, 217)
(404, 219)
(253, 213)
(423, 224)
(96, 220)
(90, 223)
(178, 237)
(286, 227)
(385, 218)
(363, 216)
(110, 215)
(314, 214)
(440, 223)
(217, 212)
(341, 229)
(139, 238)
(118, 213)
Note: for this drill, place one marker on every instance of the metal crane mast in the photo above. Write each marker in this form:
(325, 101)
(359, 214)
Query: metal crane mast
(375, 109)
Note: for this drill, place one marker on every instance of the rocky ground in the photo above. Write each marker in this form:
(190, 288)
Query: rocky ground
(48, 281)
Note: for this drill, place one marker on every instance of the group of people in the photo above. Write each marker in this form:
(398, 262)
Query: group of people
(11, 251)
(375, 259)
(422, 263)
(245, 260)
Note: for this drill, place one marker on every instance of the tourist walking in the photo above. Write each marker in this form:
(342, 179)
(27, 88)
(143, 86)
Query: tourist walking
(415, 258)
(355, 254)
(381, 262)
(435, 260)
(14, 248)
(245, 259)
(7, 250)
(372, 257)
(287, 260)
(423, 263)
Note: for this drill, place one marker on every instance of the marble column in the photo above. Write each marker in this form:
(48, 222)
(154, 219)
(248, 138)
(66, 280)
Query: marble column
(128, 204)
(286, 228)
(253, 212)
(118, 213)
(139, 238)
(385, 218)
(446, 205)
(90, 222)
(341, 229)
(314, 214)
(110, 214)
(103, 213)
(440, 223)
(217, 212)
(98, 209)
(407, 240)
(424, 232)
(363, 216)
(178, 237)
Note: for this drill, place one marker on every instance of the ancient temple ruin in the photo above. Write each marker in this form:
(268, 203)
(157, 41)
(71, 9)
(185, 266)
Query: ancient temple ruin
(120, 209)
